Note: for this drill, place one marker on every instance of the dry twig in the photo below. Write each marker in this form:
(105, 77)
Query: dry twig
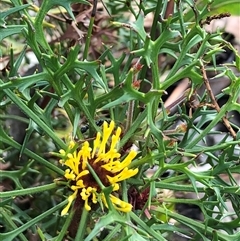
(215, 104)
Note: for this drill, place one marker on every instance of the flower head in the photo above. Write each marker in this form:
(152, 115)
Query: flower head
(105, 161)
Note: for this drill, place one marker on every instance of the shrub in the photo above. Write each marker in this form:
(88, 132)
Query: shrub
(89, 148)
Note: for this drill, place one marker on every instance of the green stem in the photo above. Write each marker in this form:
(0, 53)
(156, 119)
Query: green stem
(34, 117)
(188, 71)
(6, 139)
(112, 233)
(199, 226)
(89, 33)
(146, 228)
(82, 225)
(211, 149)
(140, 162)
(189, 188)
(28, 191)
(181, 21)
(95, 176)
(156, 18)
(129, 116)
(14, 233)
(155, 73)
(14, 117)
(67, 82)
(38, 26)
(64, 228)
(220, 115)
(8, 219)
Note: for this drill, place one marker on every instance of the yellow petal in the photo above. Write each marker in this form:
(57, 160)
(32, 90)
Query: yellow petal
(123, 175)
(86, 193)
(120, 205)
(94, 197)
(85, 154)
(126, 162)
(112, 166)
(70, 200)
(87, 207)
(69, 175)
(107, 130)
(82, 173)
(72, 162)
(115, 138)
(96, 144)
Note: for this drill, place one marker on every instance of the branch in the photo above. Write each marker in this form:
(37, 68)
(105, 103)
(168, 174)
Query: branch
(215, 104)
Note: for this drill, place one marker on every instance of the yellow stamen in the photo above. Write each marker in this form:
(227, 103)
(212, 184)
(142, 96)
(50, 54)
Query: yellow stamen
(118, 203)
(81, 174)
(69, 175)
(123, 175)
(105, 161)
(106, 133)
(115, 138)
(70, 200)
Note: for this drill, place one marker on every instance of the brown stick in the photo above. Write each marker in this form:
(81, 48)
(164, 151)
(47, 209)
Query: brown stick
(170, 8)
(215, 104)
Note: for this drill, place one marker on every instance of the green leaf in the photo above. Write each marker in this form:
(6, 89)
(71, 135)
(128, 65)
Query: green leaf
(33, 116)
(22, 83)
(76, 121)
(27, 136)
(66, 4)
(138, 27)
(104, 221)
(220, 6)
(15, 175)
(9, 236)
(152, 48)
(4, 14)
(15, 66)
(90, 68)
(9, 141)
(210, 8)
(10, 30)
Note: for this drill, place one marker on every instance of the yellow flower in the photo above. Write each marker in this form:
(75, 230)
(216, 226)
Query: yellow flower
(105, 161)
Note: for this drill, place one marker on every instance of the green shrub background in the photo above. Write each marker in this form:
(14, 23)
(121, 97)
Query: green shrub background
(109, 70)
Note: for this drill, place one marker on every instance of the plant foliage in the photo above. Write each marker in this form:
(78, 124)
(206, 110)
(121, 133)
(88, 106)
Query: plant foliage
(101, 60)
